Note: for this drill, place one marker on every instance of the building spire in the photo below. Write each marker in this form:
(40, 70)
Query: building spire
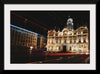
(70, 24)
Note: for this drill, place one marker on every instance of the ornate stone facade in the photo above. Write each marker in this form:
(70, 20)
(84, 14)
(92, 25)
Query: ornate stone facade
(68, 40)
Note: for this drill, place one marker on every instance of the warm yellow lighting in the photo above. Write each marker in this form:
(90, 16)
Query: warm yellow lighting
(86, 53)
(31, 47)
(75, 40)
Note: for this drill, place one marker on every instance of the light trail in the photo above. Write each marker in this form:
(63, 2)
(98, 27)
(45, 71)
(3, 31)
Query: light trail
(30, 21)
(87, 59)
(55, 54)
(24, 30)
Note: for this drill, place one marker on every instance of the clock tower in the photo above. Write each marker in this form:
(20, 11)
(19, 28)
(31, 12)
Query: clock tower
(70, 24)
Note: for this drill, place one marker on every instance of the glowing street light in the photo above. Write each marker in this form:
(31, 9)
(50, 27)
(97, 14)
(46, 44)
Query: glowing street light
(31, 47)
(86, 53)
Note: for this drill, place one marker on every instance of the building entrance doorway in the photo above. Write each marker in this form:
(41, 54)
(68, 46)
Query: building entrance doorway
(64, 48)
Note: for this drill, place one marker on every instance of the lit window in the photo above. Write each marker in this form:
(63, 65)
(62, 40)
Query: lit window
(74, 41)
(59, 41)
(64, 41)
(81, 45)
(56, 41)
(84, 46)
(70, 41)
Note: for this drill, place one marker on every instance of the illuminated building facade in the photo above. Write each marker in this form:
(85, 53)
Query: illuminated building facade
(23, 37)
(42, 42)
(68, 40)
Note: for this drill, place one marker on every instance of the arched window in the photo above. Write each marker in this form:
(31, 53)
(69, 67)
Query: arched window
(70, 48)
(64, 41)
(50, 40)
(70, 40)
(56, 41)
(79, 40)
(60, 41)
(84, 39)
(74, 41)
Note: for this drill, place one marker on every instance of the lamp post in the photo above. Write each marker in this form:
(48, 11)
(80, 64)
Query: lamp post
(31, 49)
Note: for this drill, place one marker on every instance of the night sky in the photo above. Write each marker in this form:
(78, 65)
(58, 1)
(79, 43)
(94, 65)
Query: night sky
(48, 20)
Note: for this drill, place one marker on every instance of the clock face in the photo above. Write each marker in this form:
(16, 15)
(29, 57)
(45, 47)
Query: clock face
(70, 20)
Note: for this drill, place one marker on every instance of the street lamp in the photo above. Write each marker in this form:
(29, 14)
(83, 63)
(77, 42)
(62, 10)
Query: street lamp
(87, 52)
(31, 47)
